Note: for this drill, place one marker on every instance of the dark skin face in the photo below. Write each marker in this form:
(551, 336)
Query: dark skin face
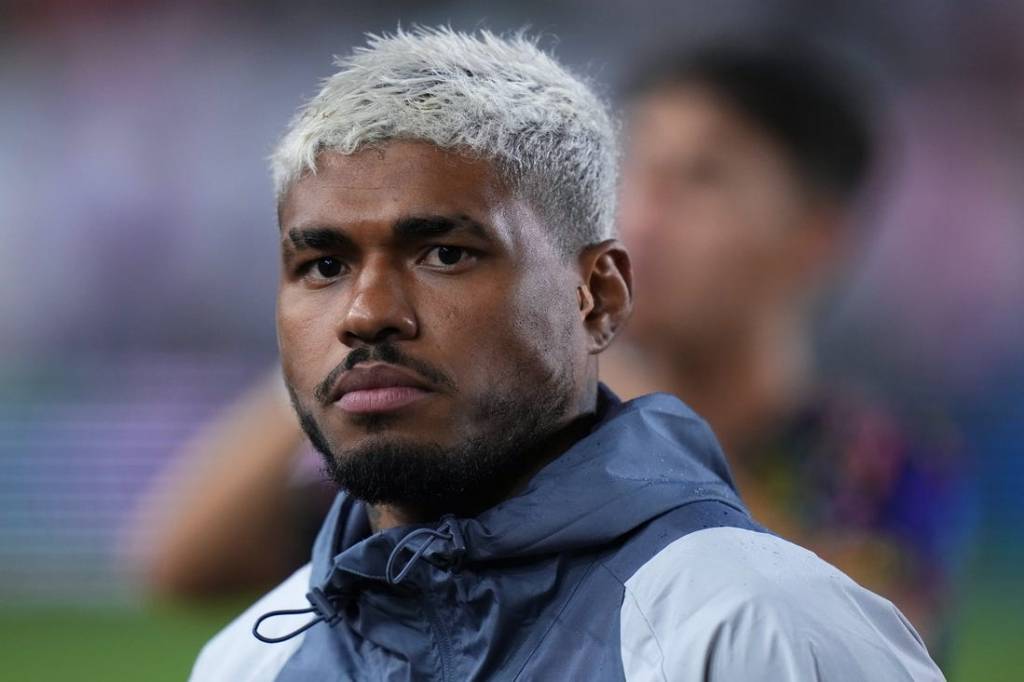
(408, 259)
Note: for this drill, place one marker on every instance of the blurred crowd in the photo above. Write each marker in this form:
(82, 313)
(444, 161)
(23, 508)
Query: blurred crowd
(821, 201)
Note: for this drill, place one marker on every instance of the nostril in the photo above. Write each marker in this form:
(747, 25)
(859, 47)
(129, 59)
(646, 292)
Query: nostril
(354, 339)
(386, 334)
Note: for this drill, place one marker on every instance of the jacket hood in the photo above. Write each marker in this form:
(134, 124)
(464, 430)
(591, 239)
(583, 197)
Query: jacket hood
(643, 458)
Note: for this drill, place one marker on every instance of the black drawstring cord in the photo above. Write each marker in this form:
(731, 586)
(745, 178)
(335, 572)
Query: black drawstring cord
(322, 606)
(403, 543)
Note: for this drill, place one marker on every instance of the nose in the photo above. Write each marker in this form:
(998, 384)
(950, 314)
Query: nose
(379, 308)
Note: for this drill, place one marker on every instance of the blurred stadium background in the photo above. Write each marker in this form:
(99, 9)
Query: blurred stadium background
(139, 263)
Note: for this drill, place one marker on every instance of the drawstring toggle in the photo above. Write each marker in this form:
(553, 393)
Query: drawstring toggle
(323, 606)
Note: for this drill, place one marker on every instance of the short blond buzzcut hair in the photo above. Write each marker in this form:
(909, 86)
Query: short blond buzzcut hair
(501, 99)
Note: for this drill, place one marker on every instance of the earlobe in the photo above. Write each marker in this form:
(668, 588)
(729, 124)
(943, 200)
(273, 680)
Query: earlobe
(606, 296)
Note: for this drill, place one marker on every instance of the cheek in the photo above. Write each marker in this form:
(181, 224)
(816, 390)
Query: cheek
(306, 339)
(697, 266)
(638, 215)
(687, 257)
(524, 336)
(550, 328)
(722, 240)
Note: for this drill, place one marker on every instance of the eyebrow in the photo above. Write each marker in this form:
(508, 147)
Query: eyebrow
(318, 238)
(434, 226)
(413, 227)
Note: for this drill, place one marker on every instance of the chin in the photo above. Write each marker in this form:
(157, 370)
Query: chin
(390, 428)
(371, 443)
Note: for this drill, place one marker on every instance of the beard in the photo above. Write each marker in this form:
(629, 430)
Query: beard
(465, 478)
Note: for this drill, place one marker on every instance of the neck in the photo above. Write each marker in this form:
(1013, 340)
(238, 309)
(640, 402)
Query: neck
(563, 437)
(741, 384)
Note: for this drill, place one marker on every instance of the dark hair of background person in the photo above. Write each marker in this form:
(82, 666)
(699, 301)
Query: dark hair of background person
(818, 108)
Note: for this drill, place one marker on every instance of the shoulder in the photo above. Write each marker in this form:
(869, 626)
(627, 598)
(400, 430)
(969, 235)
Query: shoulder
(736, 604)
(235, 654)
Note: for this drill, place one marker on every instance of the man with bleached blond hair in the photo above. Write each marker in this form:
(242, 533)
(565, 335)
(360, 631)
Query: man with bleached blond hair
(450, 275)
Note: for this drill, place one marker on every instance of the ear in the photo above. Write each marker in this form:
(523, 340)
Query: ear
(605, 292)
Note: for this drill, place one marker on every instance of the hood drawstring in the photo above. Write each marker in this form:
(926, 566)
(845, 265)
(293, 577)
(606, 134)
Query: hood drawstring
(322, 605)
(449, 530)
(325, 606)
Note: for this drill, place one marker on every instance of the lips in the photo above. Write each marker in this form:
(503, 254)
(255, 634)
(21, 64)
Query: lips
(378, 388)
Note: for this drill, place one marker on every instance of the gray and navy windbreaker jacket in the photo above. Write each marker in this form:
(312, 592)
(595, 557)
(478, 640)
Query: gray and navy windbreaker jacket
(630, 557)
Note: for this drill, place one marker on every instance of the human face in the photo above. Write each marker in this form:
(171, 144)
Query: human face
(422, 308)
(711, 212)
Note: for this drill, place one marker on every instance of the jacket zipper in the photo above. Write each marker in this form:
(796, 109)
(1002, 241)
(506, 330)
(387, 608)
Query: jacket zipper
(441, 635)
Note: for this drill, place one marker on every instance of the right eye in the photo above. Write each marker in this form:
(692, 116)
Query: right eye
(324, 269)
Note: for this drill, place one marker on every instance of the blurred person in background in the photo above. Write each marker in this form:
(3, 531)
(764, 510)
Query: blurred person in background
(742, 168)
(199, 533)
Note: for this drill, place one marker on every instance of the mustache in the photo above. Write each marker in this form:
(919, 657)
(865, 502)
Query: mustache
(384, 352)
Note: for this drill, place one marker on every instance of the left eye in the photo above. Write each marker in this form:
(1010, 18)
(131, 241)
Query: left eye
(445, 256)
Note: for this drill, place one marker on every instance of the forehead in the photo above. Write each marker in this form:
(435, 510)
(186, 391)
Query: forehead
(394, 181)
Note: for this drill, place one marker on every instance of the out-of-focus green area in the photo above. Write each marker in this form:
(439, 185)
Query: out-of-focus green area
(991, 640)
(106, 644)
(159, 644)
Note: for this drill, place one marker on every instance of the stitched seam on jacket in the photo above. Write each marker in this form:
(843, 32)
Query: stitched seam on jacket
(639, 529)
(647, 622)
(558, 616)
